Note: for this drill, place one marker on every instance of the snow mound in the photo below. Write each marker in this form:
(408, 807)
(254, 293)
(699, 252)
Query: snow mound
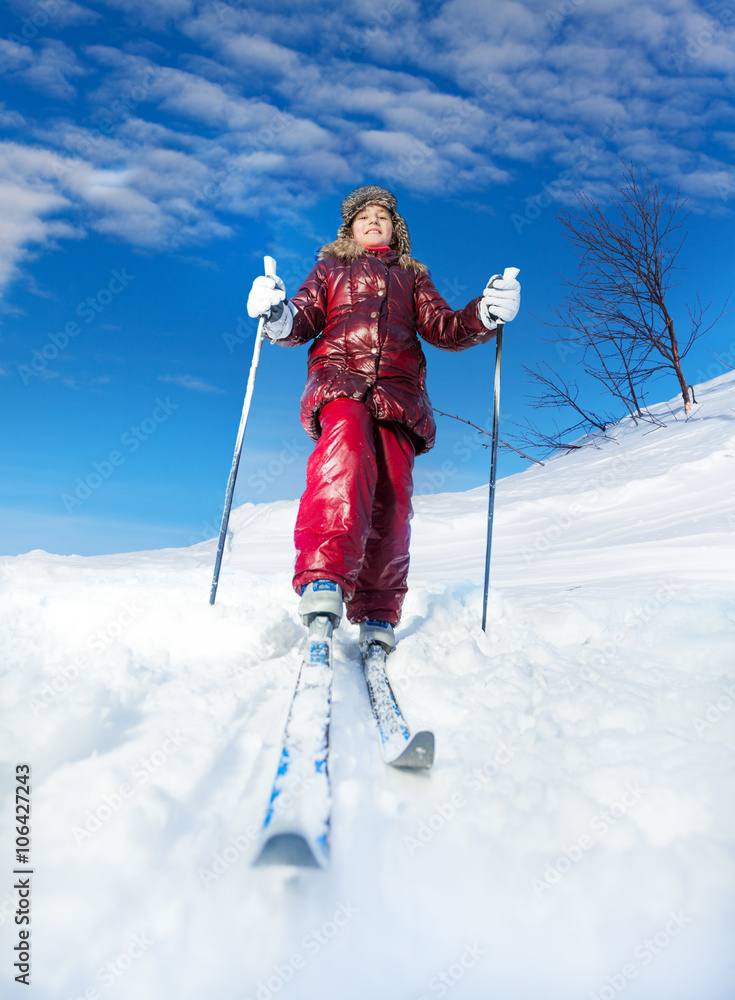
(575, 837)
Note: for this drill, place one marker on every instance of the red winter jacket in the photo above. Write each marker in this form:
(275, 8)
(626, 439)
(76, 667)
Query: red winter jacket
(364, 309)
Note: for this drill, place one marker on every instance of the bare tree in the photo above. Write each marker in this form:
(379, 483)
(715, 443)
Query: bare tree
(617, 307)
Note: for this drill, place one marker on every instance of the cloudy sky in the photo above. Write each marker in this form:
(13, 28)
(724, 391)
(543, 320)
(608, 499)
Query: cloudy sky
(153, 151)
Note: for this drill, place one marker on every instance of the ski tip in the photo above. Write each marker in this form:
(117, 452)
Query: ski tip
(290, 849)
(419, 753)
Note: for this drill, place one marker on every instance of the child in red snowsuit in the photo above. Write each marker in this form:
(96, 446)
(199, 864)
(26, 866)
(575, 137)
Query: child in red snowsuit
(364, 306)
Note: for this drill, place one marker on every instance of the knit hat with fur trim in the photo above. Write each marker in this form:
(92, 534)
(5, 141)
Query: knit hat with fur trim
(372, 194)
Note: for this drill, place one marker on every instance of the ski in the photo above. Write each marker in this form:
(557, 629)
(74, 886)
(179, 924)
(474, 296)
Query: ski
(296, 826)
(399, 747)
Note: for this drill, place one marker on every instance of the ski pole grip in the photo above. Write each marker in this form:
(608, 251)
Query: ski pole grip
(508, 274)
(270, 267)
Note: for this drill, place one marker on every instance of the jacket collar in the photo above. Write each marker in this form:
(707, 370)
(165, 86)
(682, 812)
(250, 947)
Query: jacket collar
(387, 257)
(348, 250)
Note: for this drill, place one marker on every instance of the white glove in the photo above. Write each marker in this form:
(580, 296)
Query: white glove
(265, 295)
(501, 299)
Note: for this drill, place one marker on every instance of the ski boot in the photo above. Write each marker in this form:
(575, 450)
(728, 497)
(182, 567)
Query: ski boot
(321, 598)
(377, 631)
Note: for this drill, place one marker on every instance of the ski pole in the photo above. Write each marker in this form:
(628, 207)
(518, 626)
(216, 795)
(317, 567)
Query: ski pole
(270, 270)
(493, 468)
(509, 272)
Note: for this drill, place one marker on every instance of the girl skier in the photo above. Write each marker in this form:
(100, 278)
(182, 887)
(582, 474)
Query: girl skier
(365, 304)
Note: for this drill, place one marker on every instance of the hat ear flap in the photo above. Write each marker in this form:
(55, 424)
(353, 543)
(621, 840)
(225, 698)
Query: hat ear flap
(345, 231)
(401, 241)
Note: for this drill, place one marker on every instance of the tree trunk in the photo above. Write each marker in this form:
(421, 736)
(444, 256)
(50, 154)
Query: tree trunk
(677, 365)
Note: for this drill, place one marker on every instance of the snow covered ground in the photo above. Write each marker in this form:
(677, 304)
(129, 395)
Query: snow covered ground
(574, 840)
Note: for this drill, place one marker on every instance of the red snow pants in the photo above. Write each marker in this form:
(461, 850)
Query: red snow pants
(353, 521)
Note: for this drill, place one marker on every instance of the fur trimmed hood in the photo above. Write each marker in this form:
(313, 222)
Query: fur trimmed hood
(348, 250)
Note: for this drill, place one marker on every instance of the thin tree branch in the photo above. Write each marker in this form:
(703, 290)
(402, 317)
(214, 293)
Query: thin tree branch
(483, 431)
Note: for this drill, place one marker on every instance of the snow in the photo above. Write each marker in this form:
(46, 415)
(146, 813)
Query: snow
(574, 838)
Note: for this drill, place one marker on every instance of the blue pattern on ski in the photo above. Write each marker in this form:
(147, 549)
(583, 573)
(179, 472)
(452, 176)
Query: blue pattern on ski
(296, 825)
(399, 747)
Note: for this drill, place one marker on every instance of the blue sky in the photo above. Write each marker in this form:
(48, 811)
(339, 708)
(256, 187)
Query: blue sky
(152, 151)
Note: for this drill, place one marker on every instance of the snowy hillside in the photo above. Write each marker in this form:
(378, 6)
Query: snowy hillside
(574, 840)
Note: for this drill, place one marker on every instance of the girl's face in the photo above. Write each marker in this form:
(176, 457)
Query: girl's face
(372, 227)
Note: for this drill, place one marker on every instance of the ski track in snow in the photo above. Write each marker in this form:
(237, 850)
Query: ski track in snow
(574, 839)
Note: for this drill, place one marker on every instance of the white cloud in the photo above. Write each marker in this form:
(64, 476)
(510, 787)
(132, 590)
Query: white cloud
(154, 13)
(531, 92)
(190, 382)
(274, 106)
(726, 138)
(131, 204)
(52, 69)
(552, 87)
(146, 203)
(404, 160)
(35, 19)
(47, 66)
(570, 66)
(10, 119)
(261, 57)
(14, 57)
(29, 202)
